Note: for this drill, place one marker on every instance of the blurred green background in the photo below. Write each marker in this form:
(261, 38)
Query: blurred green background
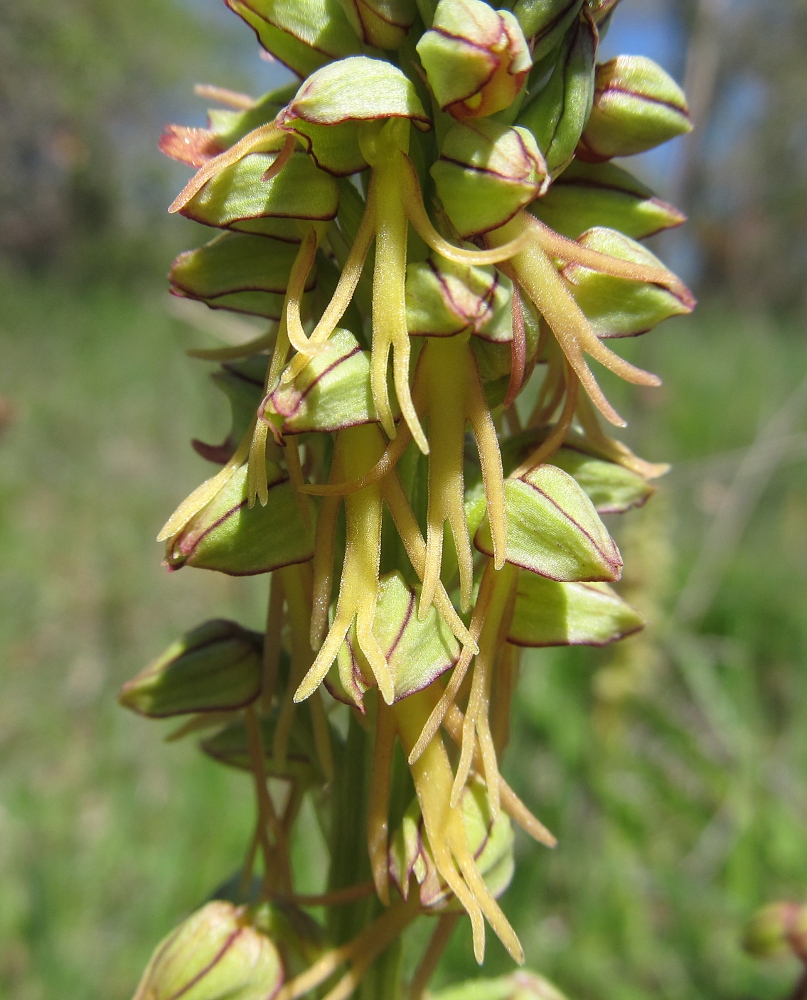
(673, 768)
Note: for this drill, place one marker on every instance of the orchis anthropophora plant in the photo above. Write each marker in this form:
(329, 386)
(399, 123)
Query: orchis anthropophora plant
(433, 230)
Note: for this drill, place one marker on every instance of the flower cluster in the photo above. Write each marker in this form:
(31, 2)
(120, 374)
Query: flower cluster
(433, 230)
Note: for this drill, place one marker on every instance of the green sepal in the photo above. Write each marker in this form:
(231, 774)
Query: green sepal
(215, 953)
(235, 271)
(333, 149)
(617, 307)
(548, 613)
(611, 487)
(444, 298)
(356, 89)
(601, 194)
(558, 113)
(303, 36)
(228, 536)
(476, 58)
(490, 842)
(418, 650)
(230, 747)
(214, 667)
(553, 529)
(383, 24)
(332, 392)
(237, 197)
(637, 106)
(521, 985)
(486, 173)
(545, 22)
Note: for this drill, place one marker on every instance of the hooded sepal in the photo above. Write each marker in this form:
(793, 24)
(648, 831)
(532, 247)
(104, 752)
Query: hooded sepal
(229, 536)
(586, 195)
(476, 58)
(246, 274)
(444, 298)
(637, 106)
(216, 954)
(237, 197)
(553, 529)
(617, 307)
(327, 110)
(303, 36)
(486, 173)
(213, 668)
(545, 22)
(330, 393)
(548, 613)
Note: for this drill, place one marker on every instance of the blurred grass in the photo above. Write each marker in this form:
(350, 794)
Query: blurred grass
(673, 770)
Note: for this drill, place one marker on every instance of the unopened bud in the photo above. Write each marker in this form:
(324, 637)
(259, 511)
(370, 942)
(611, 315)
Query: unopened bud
(384, 24)
(230, 536)
(214, 667)
(637, 106)
(216, 954)
(445, 298)
(486, 173)
(777, 929)
(476, 59)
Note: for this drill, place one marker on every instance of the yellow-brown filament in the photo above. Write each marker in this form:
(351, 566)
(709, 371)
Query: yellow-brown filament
(358, 590)
(511, 803)
(518, 363)
(419, 217)
(303, 262)
(506, 673)
(230, 98)
(204, 493)
(378, 807)
(337, 897)
(571, 252)
(385, 464)
(344, 290)
(476, 730)
(556, 437)
(282, 159)
(361, 952)
(615, 450)
(265, 138)
(490, 458)
(291, 453)
(446, 699)
(412, 539)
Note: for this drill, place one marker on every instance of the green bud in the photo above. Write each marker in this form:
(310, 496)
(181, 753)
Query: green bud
(476, 59)
(238, 198)
(330, 393)
(636, 106)
(229, 536)
(486, 173)
(553, 529)
(548, 613)
(247, 274)
(521, 985)
(617, 307)
(213, 668)
(384, 24)
(230, 747)
(445, 298)
(777, 929)
(490, 842)
(303, 36)
(558, 113)
(545, 22)
(216, 954)
(601, 194)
